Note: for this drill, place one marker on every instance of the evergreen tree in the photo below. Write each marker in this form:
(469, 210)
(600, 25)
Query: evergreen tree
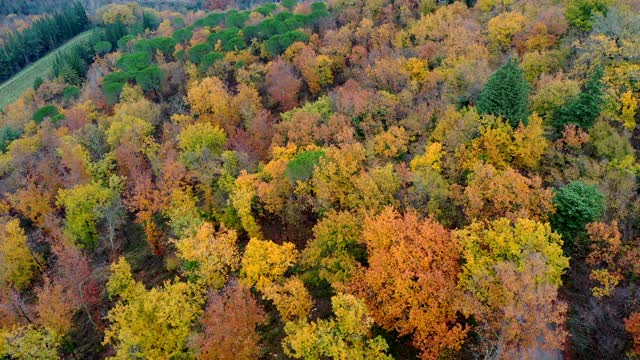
(585, 108)
(577, 204)
(506, 94)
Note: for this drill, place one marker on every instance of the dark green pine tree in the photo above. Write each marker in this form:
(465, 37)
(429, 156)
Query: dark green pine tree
(506, 94)
(585, 108)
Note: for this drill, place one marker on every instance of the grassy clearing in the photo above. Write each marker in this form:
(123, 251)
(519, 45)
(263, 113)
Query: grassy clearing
(11, 89)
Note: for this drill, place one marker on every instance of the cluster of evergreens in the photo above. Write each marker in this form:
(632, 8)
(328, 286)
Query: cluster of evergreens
(22, 48)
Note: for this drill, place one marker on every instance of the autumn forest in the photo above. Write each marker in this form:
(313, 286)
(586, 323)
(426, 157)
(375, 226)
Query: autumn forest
(349, 179)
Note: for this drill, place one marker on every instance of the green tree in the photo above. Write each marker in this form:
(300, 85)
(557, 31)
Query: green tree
(102, 47)
(7, 135)
(585, 109)
(577, 204)
(48, 111)
(84, 206)
(301, 167)
(506, 94)
(150, 78)
(581, 13)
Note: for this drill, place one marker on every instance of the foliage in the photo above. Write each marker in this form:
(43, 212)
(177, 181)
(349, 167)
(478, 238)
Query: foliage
(422, 305)
(301, 167)
(340, 338)
(153, 324)
(85, 205)
(47, 33)
(211, 254)
(511, 274)
(506, 94)
(334, 249)
(265, 262)
(581, 13)
(585, 108)
(503, 27)
(229, 325)
(102, 47)
(577, 204)
(29, 342)
(71, 92)
(19, 264)
(48, 111)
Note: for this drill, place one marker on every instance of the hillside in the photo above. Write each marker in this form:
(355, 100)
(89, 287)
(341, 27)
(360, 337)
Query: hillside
(11, 89)
(386, 179)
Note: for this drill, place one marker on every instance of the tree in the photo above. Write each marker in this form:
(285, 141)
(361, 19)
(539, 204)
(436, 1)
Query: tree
(283, 85)
(18, 263)
(503, 27)
(210, 255)
(210, 99)
(264, 266)
(265, 263)
(492, 194)
(577, 204)
(422, 305)
(582, 13)
(102, 47)
(28, 342)
(229, 325)
(55, 308)
(585, 109)
(511, 274)
(150, 324)
(150, 78)
(506, 94)
(332, 253)
(198, 139)
(301, 167)
(344, 337)
(85, 206)
(632, 324)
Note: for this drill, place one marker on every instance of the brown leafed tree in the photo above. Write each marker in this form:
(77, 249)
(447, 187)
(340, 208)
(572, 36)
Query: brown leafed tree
(492, 194)
(410, 282)
(229, 325)
(283, 85)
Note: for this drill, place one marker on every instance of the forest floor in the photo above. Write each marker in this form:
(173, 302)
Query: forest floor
(11, 89)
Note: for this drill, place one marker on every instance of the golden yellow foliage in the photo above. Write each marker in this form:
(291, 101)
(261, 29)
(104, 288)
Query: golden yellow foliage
(503, 27)
(215, 253)
(18, 263)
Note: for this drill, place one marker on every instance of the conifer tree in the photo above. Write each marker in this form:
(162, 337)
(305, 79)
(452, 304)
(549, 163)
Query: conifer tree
(506, 94)
(585, 108)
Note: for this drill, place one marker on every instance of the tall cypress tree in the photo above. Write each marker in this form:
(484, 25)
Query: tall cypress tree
(585, 108)
(506, 94)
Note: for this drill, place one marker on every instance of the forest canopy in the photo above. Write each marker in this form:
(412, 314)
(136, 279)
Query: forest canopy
(363, 179)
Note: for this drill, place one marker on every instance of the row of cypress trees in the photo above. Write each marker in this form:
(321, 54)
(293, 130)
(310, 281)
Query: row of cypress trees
(22, 48)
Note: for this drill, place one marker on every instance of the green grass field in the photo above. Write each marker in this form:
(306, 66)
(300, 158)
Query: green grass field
(11, 90)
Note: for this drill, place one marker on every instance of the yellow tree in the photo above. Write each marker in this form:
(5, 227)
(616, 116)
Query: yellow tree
(264, 266)
(151, 324)
(347, 336)
(18, 263)
(210, 100)
(511, 274)
(211, 254)
(503, 27)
